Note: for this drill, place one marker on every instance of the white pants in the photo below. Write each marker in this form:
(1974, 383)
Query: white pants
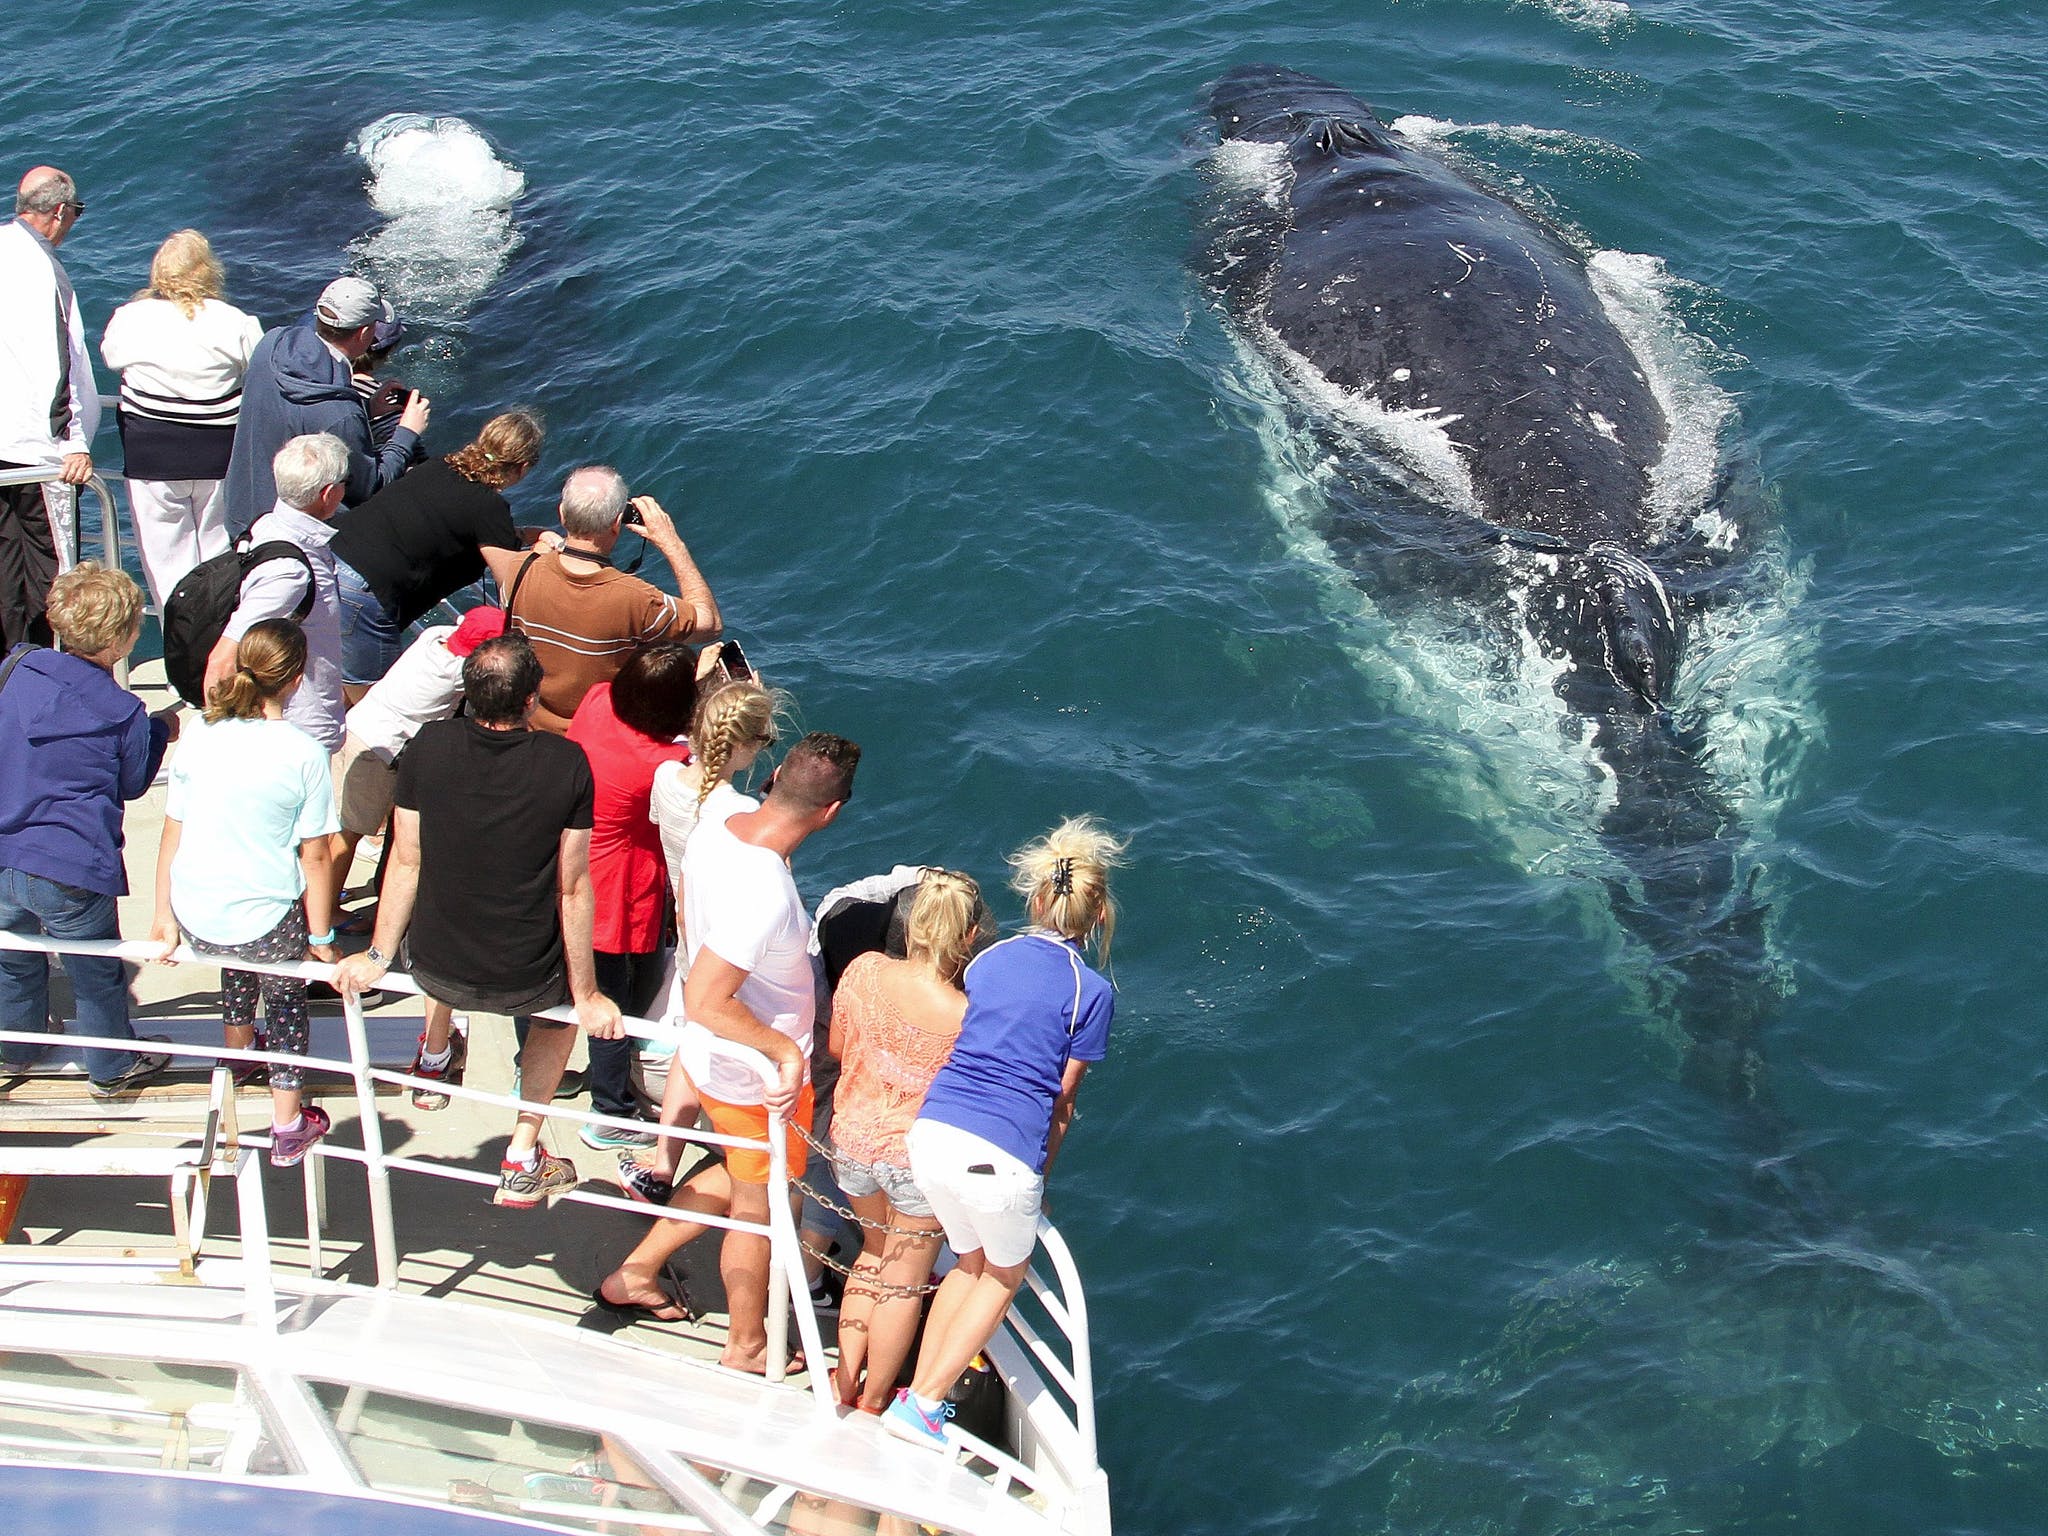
(178, 523)
(984, 1197)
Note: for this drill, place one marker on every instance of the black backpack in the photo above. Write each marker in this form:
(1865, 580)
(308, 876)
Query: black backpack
(203, 601)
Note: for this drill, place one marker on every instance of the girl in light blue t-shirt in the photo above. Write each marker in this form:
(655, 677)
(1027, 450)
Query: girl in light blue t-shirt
(246, 869)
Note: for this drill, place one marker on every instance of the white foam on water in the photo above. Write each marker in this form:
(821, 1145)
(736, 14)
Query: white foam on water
(447, 199)
(1439, 134)
(1638, 293)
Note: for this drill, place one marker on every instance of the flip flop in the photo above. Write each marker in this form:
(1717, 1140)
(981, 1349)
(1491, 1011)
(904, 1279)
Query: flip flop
(637, 1311)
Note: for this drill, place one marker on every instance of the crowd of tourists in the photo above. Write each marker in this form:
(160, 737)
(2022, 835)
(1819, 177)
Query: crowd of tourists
(555, 782)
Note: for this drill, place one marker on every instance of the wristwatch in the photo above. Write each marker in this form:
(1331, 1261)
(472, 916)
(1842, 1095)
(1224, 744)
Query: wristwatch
(376, 956)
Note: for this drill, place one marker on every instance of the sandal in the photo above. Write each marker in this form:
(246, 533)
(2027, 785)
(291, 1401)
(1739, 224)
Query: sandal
(640, 1311)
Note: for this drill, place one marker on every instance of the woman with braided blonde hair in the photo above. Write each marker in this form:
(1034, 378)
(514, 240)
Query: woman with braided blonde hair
(733, 726)
(994, 1118)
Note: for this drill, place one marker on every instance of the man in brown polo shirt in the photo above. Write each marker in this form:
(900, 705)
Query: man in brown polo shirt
(583, 617)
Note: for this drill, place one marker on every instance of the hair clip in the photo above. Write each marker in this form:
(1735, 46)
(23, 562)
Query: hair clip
(1063, 878)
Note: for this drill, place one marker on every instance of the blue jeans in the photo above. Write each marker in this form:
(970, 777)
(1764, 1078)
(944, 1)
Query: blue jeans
(29, 904)
(371, 636)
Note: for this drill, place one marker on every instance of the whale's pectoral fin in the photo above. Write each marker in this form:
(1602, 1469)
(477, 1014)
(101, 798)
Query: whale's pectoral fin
(1638, 622)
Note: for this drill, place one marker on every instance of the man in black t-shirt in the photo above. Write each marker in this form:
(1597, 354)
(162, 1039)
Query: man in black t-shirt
(489, 892)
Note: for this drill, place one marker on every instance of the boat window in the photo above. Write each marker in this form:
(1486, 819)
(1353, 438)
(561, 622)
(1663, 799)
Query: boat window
(551, 1474)
(111, 1412)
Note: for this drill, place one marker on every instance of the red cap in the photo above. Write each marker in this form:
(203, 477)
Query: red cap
(477, 626)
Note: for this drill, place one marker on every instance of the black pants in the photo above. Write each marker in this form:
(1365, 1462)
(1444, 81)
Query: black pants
(631, 981)
(28, 563)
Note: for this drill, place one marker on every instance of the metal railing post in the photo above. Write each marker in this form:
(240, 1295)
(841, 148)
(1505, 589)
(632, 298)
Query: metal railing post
(383, 1232)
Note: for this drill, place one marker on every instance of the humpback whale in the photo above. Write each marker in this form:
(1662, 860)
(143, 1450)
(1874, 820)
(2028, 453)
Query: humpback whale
(1379, 284)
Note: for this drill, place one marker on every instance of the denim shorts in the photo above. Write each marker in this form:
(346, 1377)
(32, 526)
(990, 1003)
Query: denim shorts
(371, 636)
(860, 1179)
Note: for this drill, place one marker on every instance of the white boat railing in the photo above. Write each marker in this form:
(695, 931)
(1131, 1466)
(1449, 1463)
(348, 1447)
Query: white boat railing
(110, 516)
(1067, 1367)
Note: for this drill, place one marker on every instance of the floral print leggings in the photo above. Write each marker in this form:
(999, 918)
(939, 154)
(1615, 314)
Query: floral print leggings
(284, 997)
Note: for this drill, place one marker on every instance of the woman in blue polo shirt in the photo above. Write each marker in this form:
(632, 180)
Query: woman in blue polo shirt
(1037, 1015)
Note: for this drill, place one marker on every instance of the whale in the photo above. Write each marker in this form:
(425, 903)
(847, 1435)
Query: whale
(1397, 280)
(1507, 473)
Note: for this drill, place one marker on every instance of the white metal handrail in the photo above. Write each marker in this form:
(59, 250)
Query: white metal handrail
(1063, 1301)
(110, 515)
(786, 1275)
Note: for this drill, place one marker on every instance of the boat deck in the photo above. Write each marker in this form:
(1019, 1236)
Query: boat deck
(543, 1262)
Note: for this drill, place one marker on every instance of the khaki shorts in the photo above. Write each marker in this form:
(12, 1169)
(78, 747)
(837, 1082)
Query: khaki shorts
(363, 788)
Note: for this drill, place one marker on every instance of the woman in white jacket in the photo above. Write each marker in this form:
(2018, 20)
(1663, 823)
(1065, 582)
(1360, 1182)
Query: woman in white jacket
(181, 351)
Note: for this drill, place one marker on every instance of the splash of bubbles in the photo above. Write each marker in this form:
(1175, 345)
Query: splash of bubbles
(447, 200)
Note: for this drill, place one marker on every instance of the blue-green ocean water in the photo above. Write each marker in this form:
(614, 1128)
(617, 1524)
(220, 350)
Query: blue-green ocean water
(1395, 1214)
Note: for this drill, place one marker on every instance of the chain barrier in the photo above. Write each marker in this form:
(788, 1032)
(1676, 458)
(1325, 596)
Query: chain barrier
(867, 1282)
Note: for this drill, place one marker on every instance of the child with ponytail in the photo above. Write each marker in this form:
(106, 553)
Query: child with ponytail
(246, 870)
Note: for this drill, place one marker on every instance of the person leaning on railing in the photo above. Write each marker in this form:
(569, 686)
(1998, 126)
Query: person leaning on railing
(488, 889)
(995, 1116)
(893, 1026)
(246, 866)
(750, 979)
(74, 746)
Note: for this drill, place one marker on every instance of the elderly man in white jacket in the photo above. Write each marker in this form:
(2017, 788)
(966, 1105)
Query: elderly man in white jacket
(49, 400)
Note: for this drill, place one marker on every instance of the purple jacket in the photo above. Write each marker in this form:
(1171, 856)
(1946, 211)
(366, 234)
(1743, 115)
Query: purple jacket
(74, 745)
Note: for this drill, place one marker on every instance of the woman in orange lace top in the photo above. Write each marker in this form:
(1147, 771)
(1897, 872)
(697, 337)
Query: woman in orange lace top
(893, 1026)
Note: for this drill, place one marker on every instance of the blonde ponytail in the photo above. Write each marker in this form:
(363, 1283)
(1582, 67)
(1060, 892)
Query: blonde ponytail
(1064, 880)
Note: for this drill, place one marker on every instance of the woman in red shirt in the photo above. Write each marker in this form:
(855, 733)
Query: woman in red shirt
(628, 728)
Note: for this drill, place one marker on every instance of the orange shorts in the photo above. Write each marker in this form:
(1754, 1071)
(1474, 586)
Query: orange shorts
(749, 1165)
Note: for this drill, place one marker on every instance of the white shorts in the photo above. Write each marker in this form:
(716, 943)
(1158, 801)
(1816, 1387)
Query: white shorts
(986, 1199)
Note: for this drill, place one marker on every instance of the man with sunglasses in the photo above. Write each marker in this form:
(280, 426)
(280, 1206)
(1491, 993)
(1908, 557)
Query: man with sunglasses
(49, 400)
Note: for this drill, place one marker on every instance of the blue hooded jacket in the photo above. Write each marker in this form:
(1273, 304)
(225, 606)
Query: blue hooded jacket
(74, 745)
(296, 385)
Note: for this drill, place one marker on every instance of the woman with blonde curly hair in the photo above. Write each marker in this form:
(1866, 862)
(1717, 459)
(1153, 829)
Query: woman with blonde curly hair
(1037, 1015)
(181, 350)
(74, 746)
(426, 536)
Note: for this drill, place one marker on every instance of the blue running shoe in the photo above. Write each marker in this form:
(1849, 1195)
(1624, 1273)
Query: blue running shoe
(907, 1421)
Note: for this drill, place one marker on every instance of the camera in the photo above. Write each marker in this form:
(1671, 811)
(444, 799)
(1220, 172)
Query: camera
(630, 518)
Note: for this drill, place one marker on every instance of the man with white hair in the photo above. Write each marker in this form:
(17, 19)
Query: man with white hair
(311, 476)
(583, 617)
(49, 401)
(301, 380)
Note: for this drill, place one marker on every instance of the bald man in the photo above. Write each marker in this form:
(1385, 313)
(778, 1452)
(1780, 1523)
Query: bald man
(49, 400)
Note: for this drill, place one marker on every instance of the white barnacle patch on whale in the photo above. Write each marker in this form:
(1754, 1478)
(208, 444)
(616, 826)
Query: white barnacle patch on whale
(1399, 375)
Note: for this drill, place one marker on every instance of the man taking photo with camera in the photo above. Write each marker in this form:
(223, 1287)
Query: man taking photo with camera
(585, 618)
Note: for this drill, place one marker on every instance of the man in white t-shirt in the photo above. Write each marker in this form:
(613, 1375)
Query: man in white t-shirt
(751, 980)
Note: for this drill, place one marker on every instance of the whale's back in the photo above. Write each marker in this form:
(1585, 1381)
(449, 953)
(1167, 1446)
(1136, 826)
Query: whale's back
(1403, 284)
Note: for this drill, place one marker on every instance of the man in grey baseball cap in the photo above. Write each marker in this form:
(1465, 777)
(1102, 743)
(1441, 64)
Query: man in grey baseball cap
(300, 381)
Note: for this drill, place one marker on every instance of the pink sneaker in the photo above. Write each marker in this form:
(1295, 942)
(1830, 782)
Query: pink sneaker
(289, 1148)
